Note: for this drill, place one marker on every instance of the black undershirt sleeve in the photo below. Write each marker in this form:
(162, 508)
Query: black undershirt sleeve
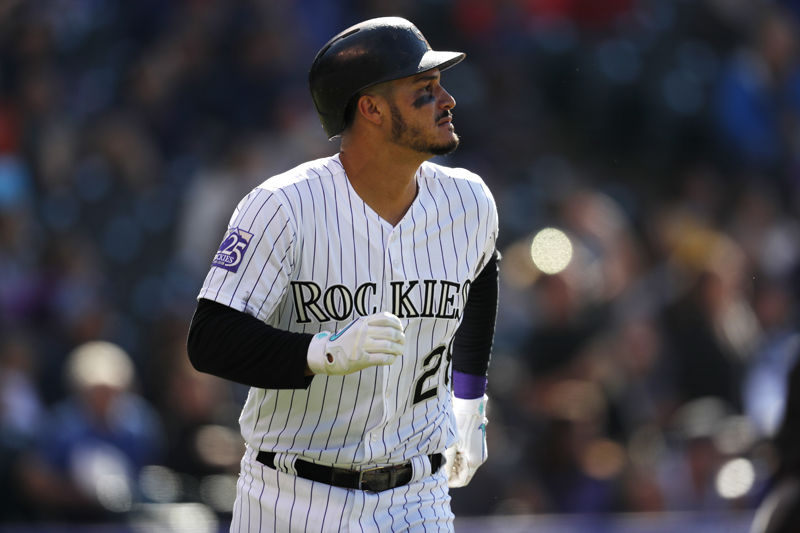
(239, 347)
(787, 440)
(472, 345)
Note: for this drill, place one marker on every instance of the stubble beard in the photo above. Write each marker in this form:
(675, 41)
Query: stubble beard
(414, 138)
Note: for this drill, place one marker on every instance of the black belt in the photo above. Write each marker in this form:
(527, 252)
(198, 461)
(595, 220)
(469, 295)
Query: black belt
(373, 479)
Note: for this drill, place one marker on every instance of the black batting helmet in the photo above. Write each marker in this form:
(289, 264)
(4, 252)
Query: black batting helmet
(371, 52)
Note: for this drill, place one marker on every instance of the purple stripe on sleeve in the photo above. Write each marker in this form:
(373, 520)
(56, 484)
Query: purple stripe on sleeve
(468, 386)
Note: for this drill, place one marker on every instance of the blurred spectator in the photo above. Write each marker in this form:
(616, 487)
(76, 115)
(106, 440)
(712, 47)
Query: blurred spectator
(20, 284)
(578, 465)
(199, 413)
(765, 385)
(99, 438)
(21, 407)
(780, 510)
(688, 471)
(710, 329)
(757, 107)
(21, 415)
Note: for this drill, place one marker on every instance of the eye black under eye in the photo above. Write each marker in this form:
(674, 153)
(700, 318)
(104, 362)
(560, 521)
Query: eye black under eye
(424, 98)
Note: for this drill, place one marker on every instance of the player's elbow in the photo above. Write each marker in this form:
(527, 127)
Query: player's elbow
(193, 347)
(197, 343)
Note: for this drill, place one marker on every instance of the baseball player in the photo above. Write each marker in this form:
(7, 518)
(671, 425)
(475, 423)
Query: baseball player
(356, 295)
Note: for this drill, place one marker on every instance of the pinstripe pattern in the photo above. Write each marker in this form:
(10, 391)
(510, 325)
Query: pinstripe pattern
(318, 257)
(271, 500)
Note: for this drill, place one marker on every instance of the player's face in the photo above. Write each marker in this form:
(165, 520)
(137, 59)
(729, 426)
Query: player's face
(421, 116)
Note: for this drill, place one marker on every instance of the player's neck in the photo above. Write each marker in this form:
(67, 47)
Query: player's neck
(386, 181)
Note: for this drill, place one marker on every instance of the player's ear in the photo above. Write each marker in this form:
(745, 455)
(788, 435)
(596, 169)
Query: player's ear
(372, 108)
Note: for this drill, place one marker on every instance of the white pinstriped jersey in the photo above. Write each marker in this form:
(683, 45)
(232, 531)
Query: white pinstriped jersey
(304, 253)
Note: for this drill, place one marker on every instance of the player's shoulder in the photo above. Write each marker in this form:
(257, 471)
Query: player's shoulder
(308, 171)
(433, 170)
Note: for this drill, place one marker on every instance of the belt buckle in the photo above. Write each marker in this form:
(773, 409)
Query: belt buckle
(369, 485)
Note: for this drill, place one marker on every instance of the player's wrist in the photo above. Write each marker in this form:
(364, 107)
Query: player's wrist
(317, 358)
(470, 405)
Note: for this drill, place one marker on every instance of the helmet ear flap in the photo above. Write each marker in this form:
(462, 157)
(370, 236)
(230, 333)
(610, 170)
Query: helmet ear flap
(364, 55)
(350, 111)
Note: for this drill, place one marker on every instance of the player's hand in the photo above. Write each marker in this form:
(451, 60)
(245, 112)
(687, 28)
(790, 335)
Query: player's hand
(466, 455)
(367, 341)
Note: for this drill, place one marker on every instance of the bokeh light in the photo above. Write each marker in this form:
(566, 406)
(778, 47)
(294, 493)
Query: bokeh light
(735, 478)
(551, 250)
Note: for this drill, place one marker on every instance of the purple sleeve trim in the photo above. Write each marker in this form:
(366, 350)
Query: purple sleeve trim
(468, 386)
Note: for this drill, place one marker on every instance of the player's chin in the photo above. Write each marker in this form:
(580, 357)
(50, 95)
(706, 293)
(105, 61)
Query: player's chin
(446, 147)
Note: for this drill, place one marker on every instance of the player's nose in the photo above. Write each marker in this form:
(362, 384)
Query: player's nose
(446, 100)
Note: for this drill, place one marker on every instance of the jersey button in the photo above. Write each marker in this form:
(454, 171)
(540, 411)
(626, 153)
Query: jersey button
(373, 437)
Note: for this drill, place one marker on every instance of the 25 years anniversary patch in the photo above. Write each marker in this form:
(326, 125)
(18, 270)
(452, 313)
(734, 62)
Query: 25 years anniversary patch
(232, 250)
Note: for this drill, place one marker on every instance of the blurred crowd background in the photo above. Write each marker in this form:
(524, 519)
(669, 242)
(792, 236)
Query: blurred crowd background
(660, 138)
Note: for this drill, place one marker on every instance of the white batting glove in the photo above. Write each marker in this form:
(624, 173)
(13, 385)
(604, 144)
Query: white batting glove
(466, 455)
(366, 341)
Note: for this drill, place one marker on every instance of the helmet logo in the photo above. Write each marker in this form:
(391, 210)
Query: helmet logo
(420, 36)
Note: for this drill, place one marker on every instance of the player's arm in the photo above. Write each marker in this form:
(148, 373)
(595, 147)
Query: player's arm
(472, 345)
(234, 345)
(472, 348)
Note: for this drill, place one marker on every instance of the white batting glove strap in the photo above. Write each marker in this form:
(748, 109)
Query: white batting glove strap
(466, 455)
(367, 341)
